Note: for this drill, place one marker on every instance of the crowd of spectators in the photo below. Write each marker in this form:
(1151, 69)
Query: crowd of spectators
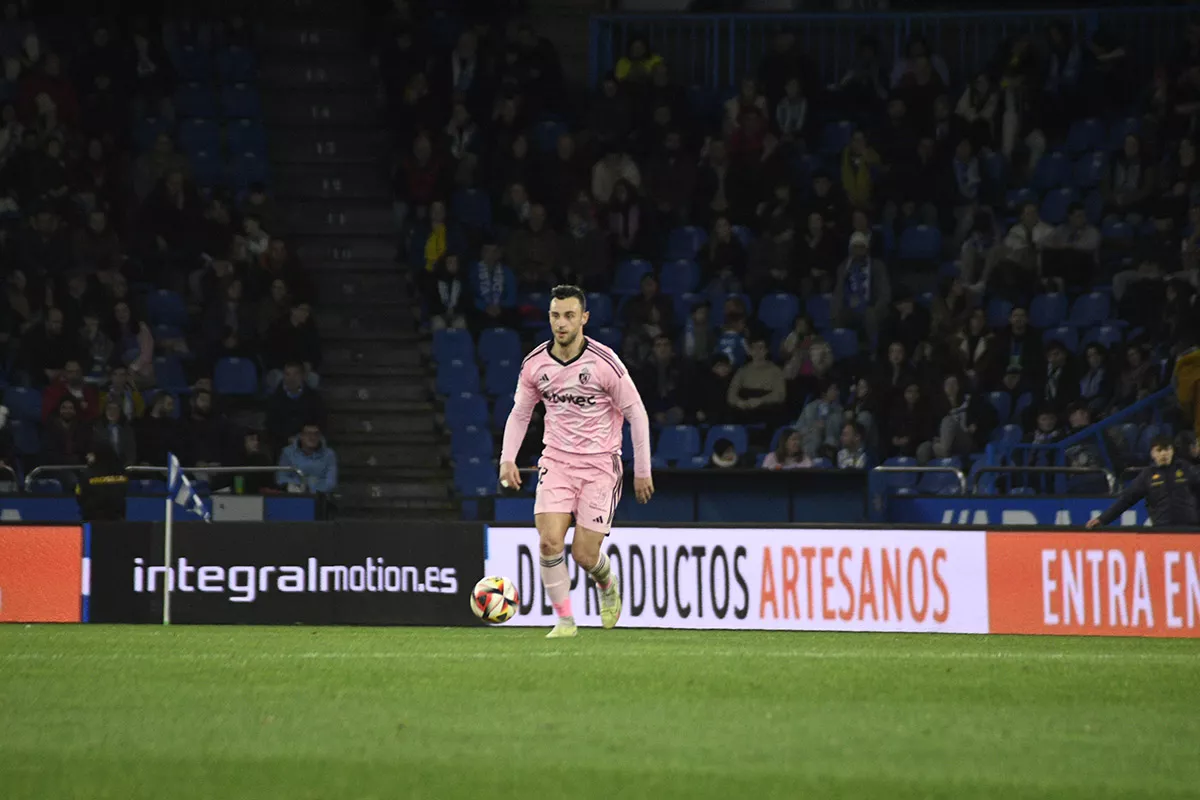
(1026, 230)
(145, 292)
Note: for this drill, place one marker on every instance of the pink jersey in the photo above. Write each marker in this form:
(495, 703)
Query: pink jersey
(587, 402)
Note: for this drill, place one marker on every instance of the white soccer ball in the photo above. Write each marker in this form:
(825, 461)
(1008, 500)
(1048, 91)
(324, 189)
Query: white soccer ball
(495, 600)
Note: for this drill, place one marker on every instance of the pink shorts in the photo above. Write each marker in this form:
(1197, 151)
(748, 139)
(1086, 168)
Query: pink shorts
(587, 486)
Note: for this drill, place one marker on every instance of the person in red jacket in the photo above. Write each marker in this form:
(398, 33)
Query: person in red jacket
(50, 81)
(71, 384)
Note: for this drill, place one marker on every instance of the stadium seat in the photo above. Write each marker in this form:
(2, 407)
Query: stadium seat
(168, 373)
(744, 235)
(1090, 309)
(1064, 334)
(994, 168)
(165, 307)
(628, 280)
(626, 443)
(235, 376)
(678, 442)
(1055, 205)
(465, 409)
(1052, 170)
(684, 243)
(246, 136)
(207, 169)
(925, 299)
(1019, 407)
(819, 308)
(198, 134)
(1093, 206)
(457, 376)
(1086, 134)
(658, 463)
(843, 342)
(147, 129)
(895, 481)
(1014, 199)
(716, 314)
(600, 309)
(192, 63)
(500, 412)
(471, 441)
(609, 337)
(1048, 310)
(835, 136)
(941, 482)
(920, 243)
(736, 434)
(247, 169)
(472, 208)
(779, 311)
(1116, 230)
(822, 463)
(1119, 130)
(24, 403)
(46, 486)
(25, 437)
(241, 101)
(501, 377)
(684, 303)
(1007, 435)
(998, 311)
(1126, 438)
(195, 100)
(544, 135)
(499, 344)
(475, 477)
(450, 344)
(695, 462)
(236, 65)
(1089, 170)
(1002, 403)
(1108, 336)
(679, 277)
(1145, 436)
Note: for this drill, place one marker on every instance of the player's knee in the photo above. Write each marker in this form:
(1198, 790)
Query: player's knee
(550, 545)
(585, 554)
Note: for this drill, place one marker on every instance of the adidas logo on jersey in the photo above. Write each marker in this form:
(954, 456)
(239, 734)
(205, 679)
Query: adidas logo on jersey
(544, 379)
(599, 519)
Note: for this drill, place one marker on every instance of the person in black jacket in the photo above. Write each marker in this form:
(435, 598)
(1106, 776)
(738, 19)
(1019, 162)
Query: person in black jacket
(103, 486)
(1167, 485)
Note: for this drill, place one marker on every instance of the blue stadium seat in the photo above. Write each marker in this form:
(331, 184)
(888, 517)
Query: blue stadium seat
(779, 311)
(894, 481)
(499, 344)
(609, 337)
(843, 342)
(1116, 230)
(1119, 130)
(941, 482)
(1019, 407)
(736, 434)
(207, 169)
(1145, 436)
(472, 208)
(1064, 334)
(678, 442)
(835, 136)
(925, 299)
(236, 65)
(1052, 170)
(1086, 134)
(452, 343)
(1108, 336)
(600, 309)
(994, 168)
(1014, 199)
(241, 101)
(822, 463)
(1008, 434)
(1093, 206)
(1055, 205)
(920, 243)
(465, 409)
(744, 235)
(165, 307)
(475, 477)
(195, 100)
(628, 279)
(26, 439)
(246, 136)
(998, 310)
(471, 441)
(192, 64)
(717, 313)
(819, 308)
(1002, 403)
(658, 463)
(684, 303)
(1126, 438)
(235, 376)
(684, 243)
(695, 462)
(1089, 170)
(1090, 309)
(46, 486)
(501, 410)
(24, 403)
(535, 305)
(626, 443)
(247, 169)
(147, 129)
(545, 134)
(679, 277)
(501, 377)
(457, 376)
(197, 135)
(1048, 310)
(169, 375)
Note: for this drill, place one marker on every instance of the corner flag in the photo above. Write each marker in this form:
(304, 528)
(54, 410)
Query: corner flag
(182, 491)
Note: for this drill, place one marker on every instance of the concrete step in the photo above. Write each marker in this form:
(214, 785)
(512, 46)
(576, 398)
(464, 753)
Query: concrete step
(316, 71)
(382, 423)
(352, 286)
(328, 146)
(322, 107)
(317, 38)
(379, 355)
(353, 373)
(388, 451)
(393, 491)
(367, 473)
(449, 510)
(407, 396)
(348, 322)
(308, 182)
(339, 218)
(377, 249)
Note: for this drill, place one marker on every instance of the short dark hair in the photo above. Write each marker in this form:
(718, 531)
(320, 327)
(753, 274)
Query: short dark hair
(566, 291)
(1162, 442)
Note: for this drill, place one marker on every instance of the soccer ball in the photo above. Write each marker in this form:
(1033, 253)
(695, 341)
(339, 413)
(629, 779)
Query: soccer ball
(495, 600)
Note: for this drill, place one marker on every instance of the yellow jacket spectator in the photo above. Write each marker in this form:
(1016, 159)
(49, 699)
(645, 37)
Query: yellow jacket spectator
(639, 62)
(859, 163)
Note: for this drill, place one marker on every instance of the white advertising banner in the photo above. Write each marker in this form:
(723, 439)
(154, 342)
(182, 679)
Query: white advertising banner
(768, 579)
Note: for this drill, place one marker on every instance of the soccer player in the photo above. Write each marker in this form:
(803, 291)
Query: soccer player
(588, 396)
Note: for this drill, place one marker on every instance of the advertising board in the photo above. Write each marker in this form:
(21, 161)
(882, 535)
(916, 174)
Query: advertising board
(43, 574)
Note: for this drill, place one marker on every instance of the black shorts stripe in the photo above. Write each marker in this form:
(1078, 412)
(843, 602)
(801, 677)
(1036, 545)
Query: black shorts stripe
(534, 352)
(619, 472)
(611, 361)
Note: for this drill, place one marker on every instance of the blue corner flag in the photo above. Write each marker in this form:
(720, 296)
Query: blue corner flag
(181, 489)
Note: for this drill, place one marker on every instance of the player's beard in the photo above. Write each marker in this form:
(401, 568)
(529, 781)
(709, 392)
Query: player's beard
(567, 343)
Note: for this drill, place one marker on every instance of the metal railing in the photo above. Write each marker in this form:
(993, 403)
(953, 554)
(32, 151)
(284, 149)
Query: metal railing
(34, 473)
(955, 471)
(1108, 475)
(715, 51)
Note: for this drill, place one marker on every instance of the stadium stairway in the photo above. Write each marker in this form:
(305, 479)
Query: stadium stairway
(329, 157)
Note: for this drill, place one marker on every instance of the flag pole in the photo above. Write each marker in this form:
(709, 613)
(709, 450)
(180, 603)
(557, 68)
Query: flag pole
(168, 573)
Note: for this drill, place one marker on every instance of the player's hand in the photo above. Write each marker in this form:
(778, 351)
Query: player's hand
(510, 477)
(1094, 522)
(643, 489)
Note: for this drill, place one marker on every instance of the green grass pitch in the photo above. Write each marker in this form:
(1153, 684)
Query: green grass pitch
(332, 714)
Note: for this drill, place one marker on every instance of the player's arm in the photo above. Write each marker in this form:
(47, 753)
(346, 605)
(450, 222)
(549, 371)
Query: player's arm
(1128, 498)
(626, 397)
(515, 426)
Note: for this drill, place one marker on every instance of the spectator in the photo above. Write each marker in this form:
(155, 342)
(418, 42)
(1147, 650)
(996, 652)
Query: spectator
(275, 305)
(723, 259)
(966, 182)
(735, 329)
(254, 454)
(159, 432)
(965, 423)
(909, 427)
(294, 339)
(462, 73)
(950, 309)
(722, 187)
(977, 108)
(610, 120)
(84, 396)
(864, 85)
(864, 411)
(419, 180)
(1019, 85)
(758, 389)
(1046, 430)
(583, 251)
(853, 451)
(664, 384)
(921, 86)
(639, 340)
(495, 289)
(171, 217)
(1060, 384)
(773, 259)
(747, 100)
(818, 256)
(120, 391)
(445, 296)
(291, 405)
(204, 434)
(65, 439)
(860, 167)
(1096, 386)
(638, 63)
(640, 307)
(914, 188)
(1019, 345)
(97, 247)
(614, 167)
(916, 49)
(791, 113)
(725, 455)
(975, 346)
(1138, 378)
(97, 349)
(44, 251)
(796, 347)
(152, 167)
(862, 290)
(821, 420)
(698, 339)
(232, 322)
(316, 461)
(627, 221)
(906, 322)
(708, 402)
(113, 429)
(1128, 182)
(789, 454)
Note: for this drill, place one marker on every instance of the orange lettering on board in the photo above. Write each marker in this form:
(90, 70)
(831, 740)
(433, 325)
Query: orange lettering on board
(845, 555)
(791, 570)
(767, 592)
(826, 583)
(915, 556)
(866, 588)
(939, 558)
(808, 554)
(891, 586)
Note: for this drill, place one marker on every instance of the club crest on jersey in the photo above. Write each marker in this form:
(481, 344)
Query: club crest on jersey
(584, 376)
